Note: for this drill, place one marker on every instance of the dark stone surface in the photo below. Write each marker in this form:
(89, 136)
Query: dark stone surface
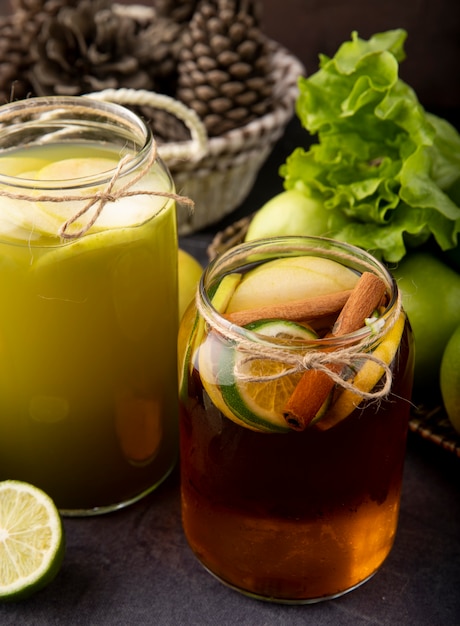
(134, 567)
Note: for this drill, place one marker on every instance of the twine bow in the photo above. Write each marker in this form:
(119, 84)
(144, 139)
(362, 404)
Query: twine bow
(347, 358)
(298, 361)
(99, 199)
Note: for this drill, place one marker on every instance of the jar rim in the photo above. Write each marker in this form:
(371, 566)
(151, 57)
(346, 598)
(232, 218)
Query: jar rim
(295, 245)
(69, 112)
(67, 122)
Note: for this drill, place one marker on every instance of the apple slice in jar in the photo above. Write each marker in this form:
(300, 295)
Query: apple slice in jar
(127, 210)
(292, 278)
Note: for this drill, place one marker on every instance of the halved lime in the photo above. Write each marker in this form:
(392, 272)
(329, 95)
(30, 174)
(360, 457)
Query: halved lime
(31, 540)
(251, 392)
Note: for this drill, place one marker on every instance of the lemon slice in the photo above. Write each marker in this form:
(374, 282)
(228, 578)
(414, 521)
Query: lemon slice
(366, 379)
(31, 540)
(257, 400)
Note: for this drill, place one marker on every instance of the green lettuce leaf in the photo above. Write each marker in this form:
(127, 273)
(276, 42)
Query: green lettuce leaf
(380, 160)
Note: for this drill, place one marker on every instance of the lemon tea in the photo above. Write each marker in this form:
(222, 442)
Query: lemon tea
(283, 512)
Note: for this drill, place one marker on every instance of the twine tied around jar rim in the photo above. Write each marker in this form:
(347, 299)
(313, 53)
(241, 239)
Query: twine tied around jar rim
(100, 198)
(298, 361)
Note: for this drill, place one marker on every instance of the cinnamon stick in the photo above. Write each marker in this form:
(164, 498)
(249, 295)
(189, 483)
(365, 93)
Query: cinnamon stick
(315, 385)
(297, 310)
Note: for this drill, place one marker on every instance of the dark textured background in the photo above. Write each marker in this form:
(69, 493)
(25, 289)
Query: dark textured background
(310, 27)
(432, 66)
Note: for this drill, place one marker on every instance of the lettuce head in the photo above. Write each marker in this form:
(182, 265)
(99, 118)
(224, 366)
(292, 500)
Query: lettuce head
(380, 160)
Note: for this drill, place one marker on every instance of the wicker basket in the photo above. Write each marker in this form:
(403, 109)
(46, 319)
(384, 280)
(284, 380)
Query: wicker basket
(220, 178)
(428, 422)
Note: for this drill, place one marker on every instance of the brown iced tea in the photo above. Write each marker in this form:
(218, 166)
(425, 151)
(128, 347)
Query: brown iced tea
(289, 515)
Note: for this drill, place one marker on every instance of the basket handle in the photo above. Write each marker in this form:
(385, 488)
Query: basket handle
(193, 149)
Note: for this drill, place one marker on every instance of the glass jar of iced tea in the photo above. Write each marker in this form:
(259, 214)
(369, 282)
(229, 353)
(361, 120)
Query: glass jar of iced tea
(295, 378)
(88, 322)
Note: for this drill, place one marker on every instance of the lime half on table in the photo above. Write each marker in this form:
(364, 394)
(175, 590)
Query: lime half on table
(31, 540)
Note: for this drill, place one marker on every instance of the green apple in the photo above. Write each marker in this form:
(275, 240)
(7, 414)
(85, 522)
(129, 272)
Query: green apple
(431, 297)
(292, 212)
(289, 279)
(450, 379)
(189, 273)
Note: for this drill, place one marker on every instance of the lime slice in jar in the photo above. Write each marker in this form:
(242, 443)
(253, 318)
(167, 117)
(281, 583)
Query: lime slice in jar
(251, 392)
(31, 540)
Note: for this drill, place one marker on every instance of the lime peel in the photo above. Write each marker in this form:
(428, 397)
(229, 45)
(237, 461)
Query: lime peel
(32, 542)
(258, 405)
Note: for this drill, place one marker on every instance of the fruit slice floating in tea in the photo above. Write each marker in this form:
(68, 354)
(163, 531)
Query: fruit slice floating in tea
(219, 299)
(87, 169)
(367, 377)
(19, 218)
(254, 390)
(293, 278)
(21, 166)
(251, 391)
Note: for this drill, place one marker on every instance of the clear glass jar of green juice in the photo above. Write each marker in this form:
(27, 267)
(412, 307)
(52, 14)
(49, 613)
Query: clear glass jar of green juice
(88, 322)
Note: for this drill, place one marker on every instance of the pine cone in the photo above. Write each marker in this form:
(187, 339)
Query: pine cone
(34, 7)
(93, 46)
(223, 65)
(180, 11)
(15, 40)
(158, 47)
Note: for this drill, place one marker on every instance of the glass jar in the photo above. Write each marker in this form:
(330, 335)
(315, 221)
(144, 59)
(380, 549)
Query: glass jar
(282, 511)
(88, 325)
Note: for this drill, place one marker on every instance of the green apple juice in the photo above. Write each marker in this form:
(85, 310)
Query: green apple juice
(88, 321)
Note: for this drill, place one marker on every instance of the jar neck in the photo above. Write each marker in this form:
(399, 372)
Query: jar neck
(74, 120)
(103, 153)
(243, 257)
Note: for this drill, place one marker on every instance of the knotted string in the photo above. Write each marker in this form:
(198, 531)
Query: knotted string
(99, 199)
(298, 360)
